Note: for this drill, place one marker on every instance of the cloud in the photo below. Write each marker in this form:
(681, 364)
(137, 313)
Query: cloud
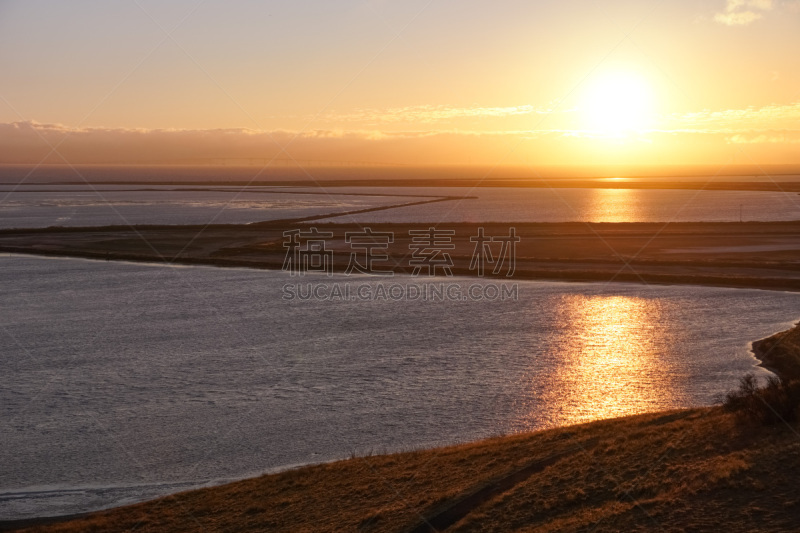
(740, 18)
(33, 142)
(743, 12)
(774, 137)
(697, 137)
(432, 113)
(770, 117)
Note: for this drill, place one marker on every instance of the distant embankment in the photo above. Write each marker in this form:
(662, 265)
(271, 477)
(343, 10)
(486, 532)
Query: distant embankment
(781, 352)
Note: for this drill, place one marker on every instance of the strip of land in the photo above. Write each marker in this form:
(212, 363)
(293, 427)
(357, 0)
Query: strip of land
(719, 254)
(711, 184)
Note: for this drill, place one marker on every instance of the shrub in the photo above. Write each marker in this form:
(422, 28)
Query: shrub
(775, 402)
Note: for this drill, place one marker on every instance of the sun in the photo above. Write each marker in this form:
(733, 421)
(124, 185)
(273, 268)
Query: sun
(616, 103)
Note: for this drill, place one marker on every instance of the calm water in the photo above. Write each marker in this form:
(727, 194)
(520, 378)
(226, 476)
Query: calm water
(31, 206)
(124, 381)
(589, 205)
(59, 205)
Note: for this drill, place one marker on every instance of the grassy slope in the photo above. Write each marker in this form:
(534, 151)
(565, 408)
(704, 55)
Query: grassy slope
(685, 470)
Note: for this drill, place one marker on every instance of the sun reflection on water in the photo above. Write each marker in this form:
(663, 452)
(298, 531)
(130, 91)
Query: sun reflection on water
(613, 205)
(611, 361)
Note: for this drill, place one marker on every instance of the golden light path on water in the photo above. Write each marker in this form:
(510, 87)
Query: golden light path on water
(611, 361)
(612, 205)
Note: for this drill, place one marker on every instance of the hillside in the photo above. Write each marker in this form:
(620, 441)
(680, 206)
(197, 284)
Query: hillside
(697, 470)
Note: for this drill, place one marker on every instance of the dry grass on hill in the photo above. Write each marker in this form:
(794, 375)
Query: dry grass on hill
(695, 470)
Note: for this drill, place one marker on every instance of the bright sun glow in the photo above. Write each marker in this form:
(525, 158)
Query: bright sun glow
(617, 103)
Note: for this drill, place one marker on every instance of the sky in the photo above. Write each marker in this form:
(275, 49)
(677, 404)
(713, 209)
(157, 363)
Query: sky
(400, 81)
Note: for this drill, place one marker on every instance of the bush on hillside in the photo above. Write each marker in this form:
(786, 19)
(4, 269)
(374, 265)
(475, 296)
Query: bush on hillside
(774, 403)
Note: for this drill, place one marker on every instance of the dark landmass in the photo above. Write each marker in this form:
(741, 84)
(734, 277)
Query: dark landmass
(270, 171)
(470, 183)
(752, 254)
(780, 353)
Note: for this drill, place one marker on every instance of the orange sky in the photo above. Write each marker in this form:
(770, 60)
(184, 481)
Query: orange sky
(411, 82)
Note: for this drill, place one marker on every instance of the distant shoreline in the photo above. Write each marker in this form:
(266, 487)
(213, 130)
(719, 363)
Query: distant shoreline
(468, 183)
(587, 276)
(712, 254)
